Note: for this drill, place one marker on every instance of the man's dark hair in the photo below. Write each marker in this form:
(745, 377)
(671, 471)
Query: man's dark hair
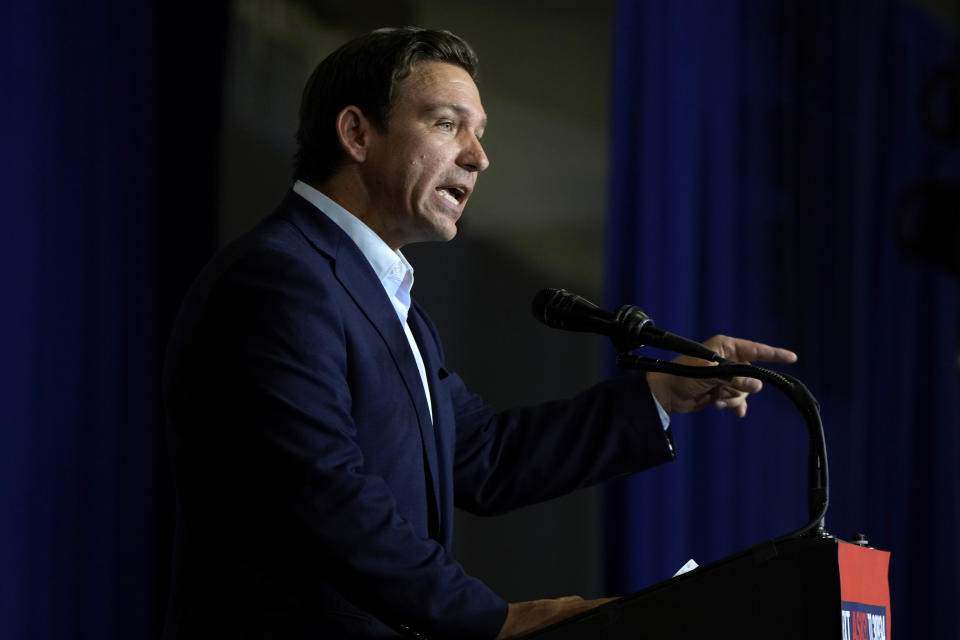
(365, 73)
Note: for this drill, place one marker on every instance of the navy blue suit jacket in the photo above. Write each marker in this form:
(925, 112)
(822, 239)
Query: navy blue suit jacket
(315, 494)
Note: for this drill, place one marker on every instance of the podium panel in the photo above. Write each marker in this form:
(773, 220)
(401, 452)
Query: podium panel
(798, 589)
(864, 592)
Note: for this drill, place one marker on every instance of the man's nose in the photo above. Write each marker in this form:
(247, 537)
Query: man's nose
(473, 157)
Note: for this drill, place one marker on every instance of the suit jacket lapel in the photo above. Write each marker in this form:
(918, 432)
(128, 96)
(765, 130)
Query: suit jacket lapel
(444, 429)
(359, 280)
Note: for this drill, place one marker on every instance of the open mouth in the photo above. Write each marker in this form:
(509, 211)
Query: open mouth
(453, 195)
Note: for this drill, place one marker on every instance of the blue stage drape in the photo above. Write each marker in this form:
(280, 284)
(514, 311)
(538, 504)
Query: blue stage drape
(760, 154)
(79, 407)
(90, 266)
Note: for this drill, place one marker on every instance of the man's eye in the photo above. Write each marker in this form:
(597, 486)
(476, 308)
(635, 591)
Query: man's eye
(445, 125)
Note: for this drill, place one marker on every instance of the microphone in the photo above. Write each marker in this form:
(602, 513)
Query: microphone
(629, 327)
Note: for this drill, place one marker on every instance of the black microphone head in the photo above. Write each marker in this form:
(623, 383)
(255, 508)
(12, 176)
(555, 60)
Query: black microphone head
(560, 309)
(544, 300)
(629, 327)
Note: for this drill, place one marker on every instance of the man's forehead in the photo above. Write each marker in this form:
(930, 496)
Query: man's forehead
(438, 82)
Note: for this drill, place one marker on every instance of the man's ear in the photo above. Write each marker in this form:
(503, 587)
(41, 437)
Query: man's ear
(353, 130)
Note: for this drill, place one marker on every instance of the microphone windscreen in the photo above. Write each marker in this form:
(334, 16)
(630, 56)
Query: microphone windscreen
(560, 309)
(542, 302)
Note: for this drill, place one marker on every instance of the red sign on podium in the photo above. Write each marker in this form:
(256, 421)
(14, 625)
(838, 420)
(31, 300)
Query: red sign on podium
(864, 592)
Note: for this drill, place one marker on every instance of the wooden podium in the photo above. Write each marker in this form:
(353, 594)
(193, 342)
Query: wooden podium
(814, 587)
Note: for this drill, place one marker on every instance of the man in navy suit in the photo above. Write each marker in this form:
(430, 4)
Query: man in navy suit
(320, 443)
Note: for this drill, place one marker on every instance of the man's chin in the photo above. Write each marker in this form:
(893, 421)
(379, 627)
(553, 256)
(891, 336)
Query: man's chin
(443, 231)
(433, 235)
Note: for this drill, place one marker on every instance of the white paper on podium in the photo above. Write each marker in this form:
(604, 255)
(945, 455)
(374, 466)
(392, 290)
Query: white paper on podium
(689, 566)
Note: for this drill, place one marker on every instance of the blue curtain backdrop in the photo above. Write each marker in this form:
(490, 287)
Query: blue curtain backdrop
(104, 144)
(78, 322)
(760, 154)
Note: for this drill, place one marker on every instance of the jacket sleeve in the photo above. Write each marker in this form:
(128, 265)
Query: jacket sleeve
(260, 398)
(509, 459)
(513, 458)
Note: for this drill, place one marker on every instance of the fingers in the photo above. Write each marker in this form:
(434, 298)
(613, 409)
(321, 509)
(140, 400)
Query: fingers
(525, 617)
(685, 395)
(741, 350)
(728, 398)
(740, 383)
(739, 405)
(741, 409)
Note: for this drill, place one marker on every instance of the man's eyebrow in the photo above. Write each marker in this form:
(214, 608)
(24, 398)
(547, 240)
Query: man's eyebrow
(459, 108)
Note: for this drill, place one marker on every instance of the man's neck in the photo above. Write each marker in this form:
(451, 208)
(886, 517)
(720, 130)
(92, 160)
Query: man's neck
(348, 190)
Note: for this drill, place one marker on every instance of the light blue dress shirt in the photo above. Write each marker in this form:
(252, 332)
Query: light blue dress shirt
(391, 267)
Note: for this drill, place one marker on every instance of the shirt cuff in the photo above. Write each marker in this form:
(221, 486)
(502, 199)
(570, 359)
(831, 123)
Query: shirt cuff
(664, 416)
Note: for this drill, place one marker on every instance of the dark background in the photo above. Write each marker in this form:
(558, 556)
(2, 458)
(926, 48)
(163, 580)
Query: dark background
(762, 169)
